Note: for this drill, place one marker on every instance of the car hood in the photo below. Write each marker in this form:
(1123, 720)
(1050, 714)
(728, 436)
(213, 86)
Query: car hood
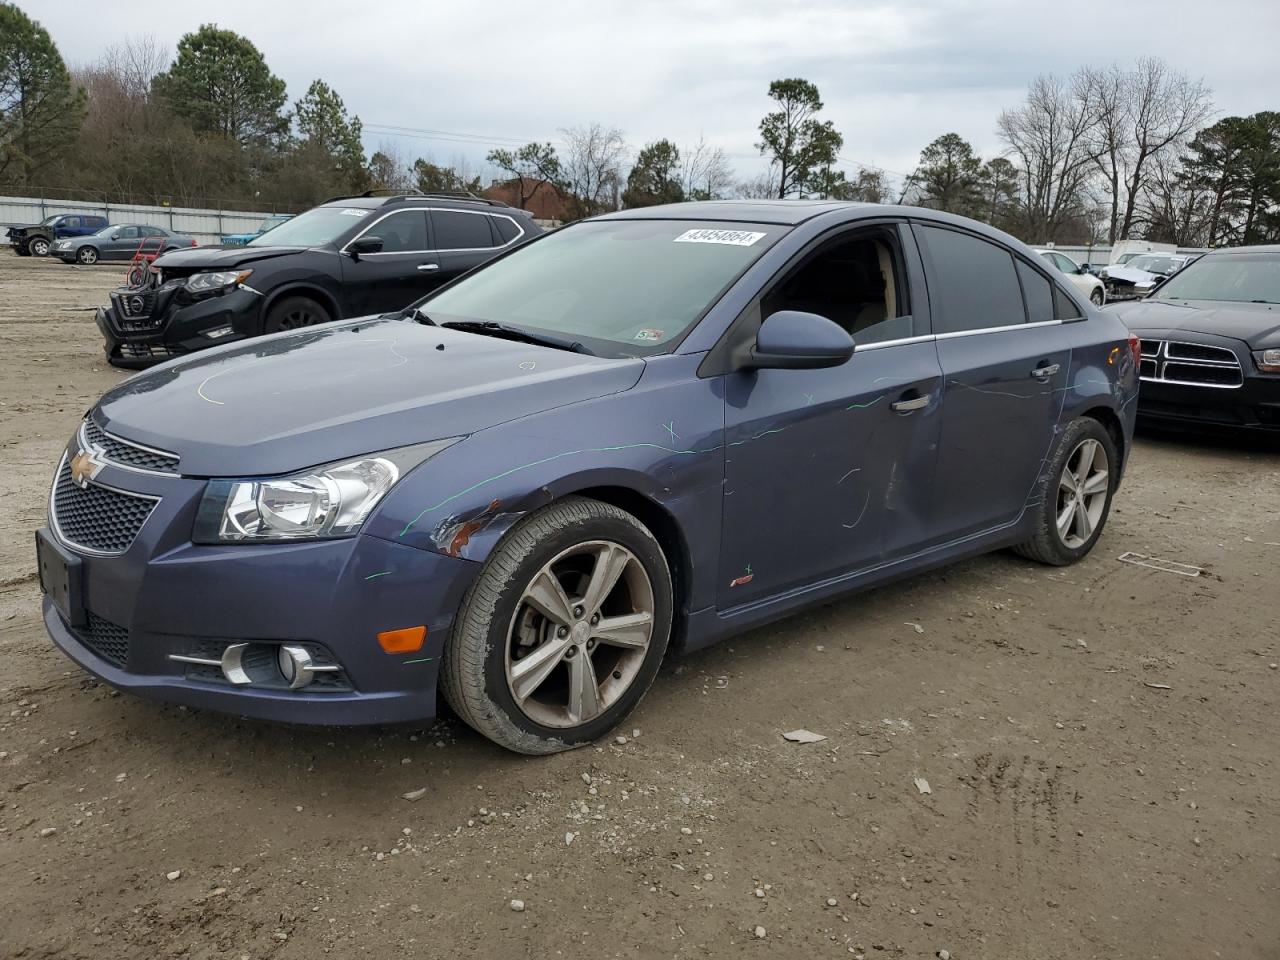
(281, 403)
(1131, 275)
(215, 258)
(1257, 324)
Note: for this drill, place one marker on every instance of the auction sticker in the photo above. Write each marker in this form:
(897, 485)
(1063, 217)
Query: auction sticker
(354, 212)
(734, 238)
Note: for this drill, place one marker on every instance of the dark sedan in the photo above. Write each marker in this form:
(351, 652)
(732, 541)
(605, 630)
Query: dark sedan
(1211, 342)
(120, 241)
(659, 427)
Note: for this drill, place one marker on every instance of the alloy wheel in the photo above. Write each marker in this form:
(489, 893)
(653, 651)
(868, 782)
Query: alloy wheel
(1097, 296)
(87, 255)
(40, 247)
(296, 319)
(1082, 493)
(580, 634)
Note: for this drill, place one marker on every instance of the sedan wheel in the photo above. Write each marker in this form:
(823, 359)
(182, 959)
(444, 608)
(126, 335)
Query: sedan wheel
(580, 634)
(87, 255)
(563, 630)
(1082, 493)
(1076, 486)
(1098, 297)
(39, 247)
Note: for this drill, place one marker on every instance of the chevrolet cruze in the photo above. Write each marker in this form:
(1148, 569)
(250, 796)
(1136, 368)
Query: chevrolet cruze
(648, 430)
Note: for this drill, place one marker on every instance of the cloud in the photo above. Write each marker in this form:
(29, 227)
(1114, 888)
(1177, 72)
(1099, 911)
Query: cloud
(893, 75)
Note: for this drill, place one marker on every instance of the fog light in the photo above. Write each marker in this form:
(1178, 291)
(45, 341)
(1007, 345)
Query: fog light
(296, 665)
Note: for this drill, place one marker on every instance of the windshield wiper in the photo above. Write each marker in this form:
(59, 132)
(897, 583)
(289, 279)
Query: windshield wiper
(490, 328)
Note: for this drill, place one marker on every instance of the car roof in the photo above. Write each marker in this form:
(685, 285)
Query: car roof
(1257, 248)
(368, 202)
(788, 212)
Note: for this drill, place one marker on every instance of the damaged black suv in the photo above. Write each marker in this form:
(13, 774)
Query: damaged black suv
(348, 257)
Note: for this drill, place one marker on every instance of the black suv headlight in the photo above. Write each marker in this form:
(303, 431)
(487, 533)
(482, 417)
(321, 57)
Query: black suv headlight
(219, 282)
(320, 503)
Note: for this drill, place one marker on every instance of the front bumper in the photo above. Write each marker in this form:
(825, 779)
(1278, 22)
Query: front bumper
(142, 328)
(1253, 406)
(164, 596)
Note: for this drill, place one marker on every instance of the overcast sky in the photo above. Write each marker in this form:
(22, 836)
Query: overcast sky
(893, 75)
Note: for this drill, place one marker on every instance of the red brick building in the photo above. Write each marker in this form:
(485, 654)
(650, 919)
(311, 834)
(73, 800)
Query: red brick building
(544, 199)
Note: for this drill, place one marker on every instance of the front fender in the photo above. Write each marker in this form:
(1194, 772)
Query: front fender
(662, 440)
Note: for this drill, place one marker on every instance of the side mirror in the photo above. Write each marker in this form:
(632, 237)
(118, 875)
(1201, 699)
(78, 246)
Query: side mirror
(795, 340)
(364, 245)
(116, 235)
(1086, 269)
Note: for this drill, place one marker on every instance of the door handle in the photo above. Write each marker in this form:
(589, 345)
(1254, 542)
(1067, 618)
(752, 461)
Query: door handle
(907, 406)
(1046, 371)
(428, 266)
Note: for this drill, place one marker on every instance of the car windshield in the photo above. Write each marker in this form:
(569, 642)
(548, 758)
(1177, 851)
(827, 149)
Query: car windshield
(1154, 264)
(48, 221)
(1235, 278)
(314, 228)
(624, 288)
(270, 223)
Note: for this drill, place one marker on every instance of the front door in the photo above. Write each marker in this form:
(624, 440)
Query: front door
(393, 278)
(1005, 362)
(831, 471)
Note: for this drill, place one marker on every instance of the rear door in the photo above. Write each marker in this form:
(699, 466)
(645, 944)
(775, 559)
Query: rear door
(120, 243)
(394, 277)
(463, 239)
(1005, 363)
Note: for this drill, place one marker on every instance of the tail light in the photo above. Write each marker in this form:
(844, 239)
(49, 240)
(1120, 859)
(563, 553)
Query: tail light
(1135, 348)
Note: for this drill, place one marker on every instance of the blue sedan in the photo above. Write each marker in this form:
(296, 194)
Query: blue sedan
(649, 430)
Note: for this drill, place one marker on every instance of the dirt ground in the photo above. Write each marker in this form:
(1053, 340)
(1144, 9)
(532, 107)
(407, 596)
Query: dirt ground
(1100, 743)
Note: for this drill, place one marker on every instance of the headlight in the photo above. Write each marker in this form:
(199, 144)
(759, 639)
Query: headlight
(1268, 361)
(208, 282)
(321, 503)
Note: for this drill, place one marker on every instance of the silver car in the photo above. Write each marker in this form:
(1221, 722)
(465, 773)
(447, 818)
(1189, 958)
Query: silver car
(1079, 277)
(120, 241)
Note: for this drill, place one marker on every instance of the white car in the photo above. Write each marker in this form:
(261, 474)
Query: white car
(1139, 276)
(1080, 277)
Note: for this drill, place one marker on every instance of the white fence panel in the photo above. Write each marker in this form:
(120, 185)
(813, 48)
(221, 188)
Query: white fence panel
(207, 226)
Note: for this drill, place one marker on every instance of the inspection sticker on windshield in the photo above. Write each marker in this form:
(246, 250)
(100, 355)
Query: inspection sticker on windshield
(735, 238)
(354, 212)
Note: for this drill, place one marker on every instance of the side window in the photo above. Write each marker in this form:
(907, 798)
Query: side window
(972, 283)
(1063, 307)
(71, 223)
(506, 227)
(153, 232)
(402, 232)
(127, 233)
(857, 281)
(1065, 264)
(456, 230)
(1038, 293)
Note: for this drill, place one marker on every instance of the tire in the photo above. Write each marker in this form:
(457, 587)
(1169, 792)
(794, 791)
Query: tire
(1097, 297)
(293, 313)
(38, 246)
(491, 637)
(21, 250)
(1083, 438)
(87, 255)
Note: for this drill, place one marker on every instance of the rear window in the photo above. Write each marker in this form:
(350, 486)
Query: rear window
(456, 230)
(972, 282)
(507, 229)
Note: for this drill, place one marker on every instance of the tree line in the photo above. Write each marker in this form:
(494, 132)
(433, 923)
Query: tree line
(1104, 154)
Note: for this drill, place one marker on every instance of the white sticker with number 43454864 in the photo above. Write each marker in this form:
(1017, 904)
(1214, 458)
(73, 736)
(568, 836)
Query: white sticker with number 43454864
(736, 238)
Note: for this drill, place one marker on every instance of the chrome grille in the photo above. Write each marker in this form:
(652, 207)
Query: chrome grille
(124, 453)
(1190, 364)
(94, 518)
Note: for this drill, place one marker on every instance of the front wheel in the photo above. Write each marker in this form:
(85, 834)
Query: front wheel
(39, 247)
(1077, 497)
(22, 250)
(293, 313)
(563, 631)
(1097, 297)
(87, 256)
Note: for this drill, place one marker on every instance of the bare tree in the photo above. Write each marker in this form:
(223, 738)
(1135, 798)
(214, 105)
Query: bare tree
(1048, 136)
(705, 173)
(592, 167)
(1140, 115)
(764, 186)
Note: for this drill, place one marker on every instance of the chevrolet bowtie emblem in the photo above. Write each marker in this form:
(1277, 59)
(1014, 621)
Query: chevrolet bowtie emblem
(84, 467)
